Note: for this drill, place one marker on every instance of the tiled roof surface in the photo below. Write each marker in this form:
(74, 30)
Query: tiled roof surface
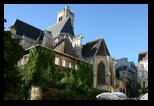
(23, 28)
(63, 26)
(96, 47)
(65, 46)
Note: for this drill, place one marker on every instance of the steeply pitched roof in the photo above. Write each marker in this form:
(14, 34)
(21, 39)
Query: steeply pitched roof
(102, 50)
(65, 46)
(63, 26)
(23, 28)
(96, 47)
(142, 55)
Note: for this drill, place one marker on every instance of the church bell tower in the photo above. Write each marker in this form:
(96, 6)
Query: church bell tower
(64, 13)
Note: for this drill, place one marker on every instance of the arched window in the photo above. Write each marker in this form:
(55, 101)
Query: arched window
(101, 73)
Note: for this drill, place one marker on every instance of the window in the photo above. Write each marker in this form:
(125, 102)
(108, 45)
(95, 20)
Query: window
(143, 84)
(56, 60)
(24, 60)
(70, 65)
(76, 66)
(142, 74)
(64, 63)
(60, 18)
(142, 66)
(145, 58)
(56, 41)
(101, 73)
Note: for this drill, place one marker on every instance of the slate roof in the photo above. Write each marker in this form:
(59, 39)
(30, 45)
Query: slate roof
(23, 28)
(96, 47)
(65, 46)
(63, 26)
(142, 55)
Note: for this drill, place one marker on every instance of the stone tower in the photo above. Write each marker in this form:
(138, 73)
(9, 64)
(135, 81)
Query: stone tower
(64, 13)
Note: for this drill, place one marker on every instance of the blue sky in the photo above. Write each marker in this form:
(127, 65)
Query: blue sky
(123, 26)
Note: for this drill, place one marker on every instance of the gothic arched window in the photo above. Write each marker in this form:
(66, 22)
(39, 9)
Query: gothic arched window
(101, 73)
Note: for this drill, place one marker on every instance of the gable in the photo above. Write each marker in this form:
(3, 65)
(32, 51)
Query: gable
(89, 49)
(65, 46)
(102, 50)
(60, 47)
(96, 47)
(68, 27)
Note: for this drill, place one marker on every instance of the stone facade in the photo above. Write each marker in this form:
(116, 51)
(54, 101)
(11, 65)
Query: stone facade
(36, 93)
(108, 79)
(61, 38)
(64, 13)
(142, 66)
(128, 71)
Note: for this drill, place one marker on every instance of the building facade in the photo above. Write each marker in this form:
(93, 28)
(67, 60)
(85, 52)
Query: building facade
(142, 66)
(60, 37)
(104, 76)
(127, 71)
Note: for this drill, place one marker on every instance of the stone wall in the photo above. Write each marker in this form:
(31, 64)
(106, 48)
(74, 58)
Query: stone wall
(36, 93)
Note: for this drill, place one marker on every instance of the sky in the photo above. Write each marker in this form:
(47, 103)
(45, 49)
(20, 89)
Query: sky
(124, 27)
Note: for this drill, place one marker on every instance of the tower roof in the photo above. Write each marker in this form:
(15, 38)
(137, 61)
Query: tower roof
(63, 26)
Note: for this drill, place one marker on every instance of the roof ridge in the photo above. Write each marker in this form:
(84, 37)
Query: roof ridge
(63, 26)
(98, 46)
(143, 52)
(93, 41)
(27, 24)
(56, 23)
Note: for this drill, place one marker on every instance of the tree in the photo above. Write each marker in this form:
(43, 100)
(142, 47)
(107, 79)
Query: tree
(13, 51)
(141, 91)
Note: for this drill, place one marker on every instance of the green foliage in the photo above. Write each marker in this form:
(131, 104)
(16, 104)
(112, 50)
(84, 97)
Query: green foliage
(12, 50)
(12, 76)
(51, 94)
(39, 67)
(93, 92)
(141, 91)
(69, 94)
(41, 71)
(13, 86)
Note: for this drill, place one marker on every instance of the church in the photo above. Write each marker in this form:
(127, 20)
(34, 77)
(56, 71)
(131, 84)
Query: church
(60, 37)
